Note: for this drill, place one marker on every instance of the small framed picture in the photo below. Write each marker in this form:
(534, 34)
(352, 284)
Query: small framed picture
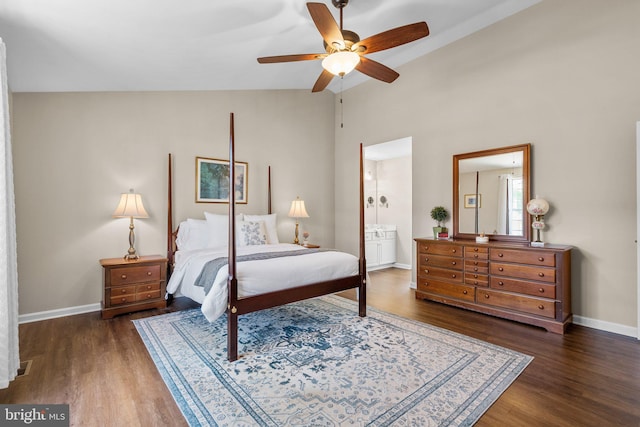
(470, 201)
(212, 181)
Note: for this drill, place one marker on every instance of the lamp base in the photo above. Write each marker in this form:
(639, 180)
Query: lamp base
(537, 244)
(130, 257)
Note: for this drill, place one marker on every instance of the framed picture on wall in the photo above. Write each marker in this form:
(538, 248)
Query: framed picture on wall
(212, 181)
(470, 200)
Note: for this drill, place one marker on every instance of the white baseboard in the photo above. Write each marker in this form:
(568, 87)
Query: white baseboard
(52, 314)
(602, 325)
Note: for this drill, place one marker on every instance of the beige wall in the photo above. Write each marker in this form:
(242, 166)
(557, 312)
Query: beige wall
(74, 153)
(562, 75)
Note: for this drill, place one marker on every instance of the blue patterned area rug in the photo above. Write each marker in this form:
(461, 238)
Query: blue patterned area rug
(316, 363)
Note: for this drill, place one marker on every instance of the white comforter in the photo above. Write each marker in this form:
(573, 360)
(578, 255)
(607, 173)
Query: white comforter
(256, 277)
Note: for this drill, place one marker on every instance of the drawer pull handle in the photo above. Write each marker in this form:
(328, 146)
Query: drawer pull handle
(540, 259)
(426, 271)
(453, 250)
(124, 291)
(426, 259)
(475, 276)
(124, 300)
(453, 263)
(148, 287)
(149, 273)
(453, 276)
(124, 276)
(500, 255)
(475, 263)
(475, 269)
(475, 256)
(501, 283)
(541, 307)
(148, 295)
(541, 274)
(541, 290)
(465, 292)
(486, 296)
(500, 268)
(475, 283)
(475, 249)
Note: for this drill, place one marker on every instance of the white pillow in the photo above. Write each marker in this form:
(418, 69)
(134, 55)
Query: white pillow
(270, 226)
(218, 229)
(251, 233)
(192, 234)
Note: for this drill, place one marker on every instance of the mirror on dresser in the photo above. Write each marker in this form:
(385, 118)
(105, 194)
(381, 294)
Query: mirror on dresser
(490, 191)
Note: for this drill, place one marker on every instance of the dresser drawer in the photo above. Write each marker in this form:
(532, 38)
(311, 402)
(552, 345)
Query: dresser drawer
(440, 261)
(481, 267)
(546, 259)
(455, 276)
(476, 252)
(525, 304)
(123, 290)
(544, 290)
(476, 279)
(441, 249)
(146, 287)
(461, 292)
(542, 274)
(143, 273)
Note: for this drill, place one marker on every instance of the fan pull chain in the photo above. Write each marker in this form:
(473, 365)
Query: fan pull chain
(341, 103)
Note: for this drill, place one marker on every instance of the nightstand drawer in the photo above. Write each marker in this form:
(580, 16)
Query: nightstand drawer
(143, 273)
(148, 287)
(123, 290)
(142, 296)
(122, 299)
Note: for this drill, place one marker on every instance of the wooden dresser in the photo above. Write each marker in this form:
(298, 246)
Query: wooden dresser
(133, 285)
(510, 280)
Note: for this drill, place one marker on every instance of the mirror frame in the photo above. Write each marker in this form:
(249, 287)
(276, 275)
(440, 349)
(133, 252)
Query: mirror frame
(526, 189)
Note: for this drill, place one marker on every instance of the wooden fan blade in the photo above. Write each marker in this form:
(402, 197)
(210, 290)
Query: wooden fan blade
(326, 24)
(376, 70)
(291, 58)
(322, 82)
(392, 38)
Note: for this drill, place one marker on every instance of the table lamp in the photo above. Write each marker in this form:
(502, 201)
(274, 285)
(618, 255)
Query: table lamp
(537, 208)
(130, 206)
(297, 211)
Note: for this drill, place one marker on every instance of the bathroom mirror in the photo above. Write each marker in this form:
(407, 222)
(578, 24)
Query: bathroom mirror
(491, 189)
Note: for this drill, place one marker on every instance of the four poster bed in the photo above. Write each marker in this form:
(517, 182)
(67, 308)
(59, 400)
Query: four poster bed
(272, 273)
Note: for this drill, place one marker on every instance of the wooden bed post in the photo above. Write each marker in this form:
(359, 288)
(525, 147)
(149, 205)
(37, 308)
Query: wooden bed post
(169, 222)
(362, 290)
(232, 281)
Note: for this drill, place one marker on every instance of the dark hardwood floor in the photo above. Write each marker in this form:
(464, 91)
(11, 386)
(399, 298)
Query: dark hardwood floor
(103, 371)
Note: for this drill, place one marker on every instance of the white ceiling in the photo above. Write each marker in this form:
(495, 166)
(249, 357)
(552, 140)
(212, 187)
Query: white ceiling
(147, 45)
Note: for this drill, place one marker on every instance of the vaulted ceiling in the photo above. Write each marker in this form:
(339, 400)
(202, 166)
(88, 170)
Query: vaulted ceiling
(149, 45)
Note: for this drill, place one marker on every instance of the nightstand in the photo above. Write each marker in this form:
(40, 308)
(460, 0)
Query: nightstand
(133, 285)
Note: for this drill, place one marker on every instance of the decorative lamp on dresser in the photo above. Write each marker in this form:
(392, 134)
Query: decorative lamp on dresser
(500, 272)
(133, 285)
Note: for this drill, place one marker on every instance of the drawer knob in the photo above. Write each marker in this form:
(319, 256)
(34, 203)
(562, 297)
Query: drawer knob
(541, 290)
(541, 307)
(426, 271)
(540, 259)
(148, 273)
(464, 292)
(500, 255)
(541, 274)
(501, 283)
(475, 283)
(124, 291)
(124, 276)
(475, 276)
(475, 249)
(124, 300)
(453, 250)
(148, 295)
(486, 296)
(453, 263)
(475, 256)
(475, 263)
(453, 276)
(426, 259)
(149, 287)
(475, 269)
(500, 268)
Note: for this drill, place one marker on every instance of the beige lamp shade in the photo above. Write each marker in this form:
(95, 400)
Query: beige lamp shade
(297, 209)
(130, 206)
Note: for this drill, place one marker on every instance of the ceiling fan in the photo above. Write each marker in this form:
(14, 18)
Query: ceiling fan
(344, 49)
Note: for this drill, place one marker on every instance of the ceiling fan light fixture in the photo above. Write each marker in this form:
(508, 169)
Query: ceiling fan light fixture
(341, 63)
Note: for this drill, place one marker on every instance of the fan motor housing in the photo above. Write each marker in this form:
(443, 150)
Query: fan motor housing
(350, 38)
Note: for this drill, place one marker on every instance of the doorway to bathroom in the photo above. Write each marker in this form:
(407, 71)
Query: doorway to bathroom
(388, 204)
